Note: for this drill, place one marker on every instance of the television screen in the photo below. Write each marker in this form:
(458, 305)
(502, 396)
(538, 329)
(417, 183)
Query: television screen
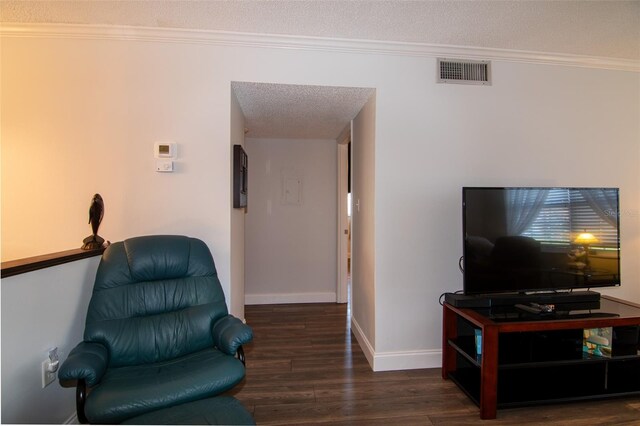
(540, 239)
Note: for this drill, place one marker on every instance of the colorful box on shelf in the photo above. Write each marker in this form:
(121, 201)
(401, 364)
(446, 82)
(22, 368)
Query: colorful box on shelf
(597, 341)
(478, 341)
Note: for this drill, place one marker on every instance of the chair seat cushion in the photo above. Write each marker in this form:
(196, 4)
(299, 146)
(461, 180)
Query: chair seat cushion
(220, 410)
(130, 391)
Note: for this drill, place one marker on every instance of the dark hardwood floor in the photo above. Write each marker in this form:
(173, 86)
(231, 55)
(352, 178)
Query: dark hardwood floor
(305, 367)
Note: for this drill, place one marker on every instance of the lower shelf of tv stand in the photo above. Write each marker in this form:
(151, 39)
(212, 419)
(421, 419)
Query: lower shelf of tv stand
(520, 378)
(555, 384)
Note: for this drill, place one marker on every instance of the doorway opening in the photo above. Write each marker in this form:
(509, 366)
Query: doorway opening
(297, 218)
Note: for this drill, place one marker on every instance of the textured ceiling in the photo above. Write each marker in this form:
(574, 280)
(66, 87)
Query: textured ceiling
(298, 112)
(593, 28)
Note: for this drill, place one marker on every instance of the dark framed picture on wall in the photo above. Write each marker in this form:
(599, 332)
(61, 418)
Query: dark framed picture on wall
(240, 175)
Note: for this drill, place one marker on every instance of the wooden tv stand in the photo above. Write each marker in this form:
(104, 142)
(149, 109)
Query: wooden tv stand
(528, 359)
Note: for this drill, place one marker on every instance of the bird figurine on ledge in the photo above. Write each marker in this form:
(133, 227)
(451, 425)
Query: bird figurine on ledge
(96, 213)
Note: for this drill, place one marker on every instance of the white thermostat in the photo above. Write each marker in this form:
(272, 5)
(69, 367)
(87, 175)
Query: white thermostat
(165, 150)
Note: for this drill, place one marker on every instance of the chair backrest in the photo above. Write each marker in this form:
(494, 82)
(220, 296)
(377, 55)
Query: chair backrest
(155, 298)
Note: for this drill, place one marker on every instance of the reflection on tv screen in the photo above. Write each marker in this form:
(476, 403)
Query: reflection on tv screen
(540, 239)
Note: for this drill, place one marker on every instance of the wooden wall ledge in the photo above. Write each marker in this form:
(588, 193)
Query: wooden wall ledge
(29, 264)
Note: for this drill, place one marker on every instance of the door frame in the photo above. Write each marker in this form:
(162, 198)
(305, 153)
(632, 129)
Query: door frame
(342, 294)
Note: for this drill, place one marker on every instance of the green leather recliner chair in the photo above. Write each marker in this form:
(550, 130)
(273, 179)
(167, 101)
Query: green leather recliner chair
(157, 333)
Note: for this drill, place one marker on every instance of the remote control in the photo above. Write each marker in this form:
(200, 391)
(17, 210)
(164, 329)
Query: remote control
(527, 308)
(544, 308)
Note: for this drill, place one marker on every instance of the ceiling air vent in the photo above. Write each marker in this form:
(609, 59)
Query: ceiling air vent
(464, 72)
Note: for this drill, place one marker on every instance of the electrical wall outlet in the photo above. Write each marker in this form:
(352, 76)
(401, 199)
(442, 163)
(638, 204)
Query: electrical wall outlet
(50, 368)
(47, 376)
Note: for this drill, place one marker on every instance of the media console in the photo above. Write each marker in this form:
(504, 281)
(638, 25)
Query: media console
(528, 359)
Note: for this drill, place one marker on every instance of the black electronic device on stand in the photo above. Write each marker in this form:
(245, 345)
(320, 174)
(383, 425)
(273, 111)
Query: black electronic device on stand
(538, 247)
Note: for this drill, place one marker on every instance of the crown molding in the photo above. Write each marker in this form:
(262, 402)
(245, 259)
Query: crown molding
(274, 41)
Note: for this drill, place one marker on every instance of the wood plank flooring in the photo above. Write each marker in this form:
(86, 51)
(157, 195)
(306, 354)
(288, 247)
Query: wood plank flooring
(305, 367)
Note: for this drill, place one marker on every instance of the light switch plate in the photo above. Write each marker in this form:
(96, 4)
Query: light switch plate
(164, 166)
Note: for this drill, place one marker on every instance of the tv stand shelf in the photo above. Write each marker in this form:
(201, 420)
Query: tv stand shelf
(537, 361)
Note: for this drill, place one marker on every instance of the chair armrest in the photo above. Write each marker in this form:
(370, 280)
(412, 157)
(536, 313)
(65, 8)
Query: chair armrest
(87, 361)
(229, 333)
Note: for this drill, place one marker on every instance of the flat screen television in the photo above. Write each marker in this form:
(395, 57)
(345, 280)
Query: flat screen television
(519, 240)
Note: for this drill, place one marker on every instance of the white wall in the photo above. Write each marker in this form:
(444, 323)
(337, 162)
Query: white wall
(237, 219)
(81, 117)
(291, 244)
(93, 100)
(363, 238)
(41, 310)
(536, 125)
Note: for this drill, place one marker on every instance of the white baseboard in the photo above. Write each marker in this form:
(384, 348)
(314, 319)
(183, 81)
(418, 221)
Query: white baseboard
(407, 360)
(399, 360)
(72, 420)
(279, 298)
(365, 345)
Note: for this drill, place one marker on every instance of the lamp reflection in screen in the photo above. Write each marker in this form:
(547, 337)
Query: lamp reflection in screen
(585, 239)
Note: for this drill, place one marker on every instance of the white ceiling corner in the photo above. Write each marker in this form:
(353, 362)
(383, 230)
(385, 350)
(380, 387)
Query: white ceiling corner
(598, 28)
